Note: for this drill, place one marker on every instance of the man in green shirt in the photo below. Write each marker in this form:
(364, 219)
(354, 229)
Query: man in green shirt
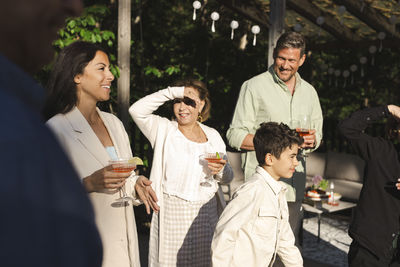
(279, 95)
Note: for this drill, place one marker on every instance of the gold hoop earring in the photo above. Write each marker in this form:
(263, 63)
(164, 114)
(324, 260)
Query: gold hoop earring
(200, 118)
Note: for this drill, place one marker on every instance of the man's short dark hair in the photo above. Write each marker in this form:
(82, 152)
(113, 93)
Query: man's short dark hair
(274, 138)
(290, 40)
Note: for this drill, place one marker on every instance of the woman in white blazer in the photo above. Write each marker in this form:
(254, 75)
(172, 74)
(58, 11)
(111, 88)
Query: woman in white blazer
(182, 231)
(80, 79)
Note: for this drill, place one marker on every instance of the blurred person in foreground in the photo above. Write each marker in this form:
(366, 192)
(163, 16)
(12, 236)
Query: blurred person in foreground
(375, 224)
(80, 79)
(182, 231)
(254, 226)
(279, 95)
(46, 216)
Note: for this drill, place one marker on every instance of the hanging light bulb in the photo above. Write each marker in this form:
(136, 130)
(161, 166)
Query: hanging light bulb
(337, 74)
(362, 6)
(341, 11)
(381, 36)
(243, 42)
(393, 21)
(353, 68)
(345, 74)
(297, 27)
(196, 5)
(214, 17)
(320, 21)
(363, 60)
(234, 26)
(330, 72)
(255, 30)
(372, 50)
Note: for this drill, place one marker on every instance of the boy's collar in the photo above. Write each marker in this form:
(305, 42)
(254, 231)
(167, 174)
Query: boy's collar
(275, 185)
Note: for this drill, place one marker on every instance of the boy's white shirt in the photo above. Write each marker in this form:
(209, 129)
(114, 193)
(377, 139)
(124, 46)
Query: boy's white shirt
(254, 226)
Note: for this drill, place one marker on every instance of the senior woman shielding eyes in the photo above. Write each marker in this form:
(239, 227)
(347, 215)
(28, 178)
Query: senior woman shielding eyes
(182, 231)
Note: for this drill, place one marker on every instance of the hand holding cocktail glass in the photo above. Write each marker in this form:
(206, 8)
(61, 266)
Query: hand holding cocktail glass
(123, 166)
(215, 163)
(142, 188)
(105, 178)
(302, 125)
(309, 139)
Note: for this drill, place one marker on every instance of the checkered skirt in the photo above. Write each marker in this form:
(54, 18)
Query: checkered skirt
(189, 228)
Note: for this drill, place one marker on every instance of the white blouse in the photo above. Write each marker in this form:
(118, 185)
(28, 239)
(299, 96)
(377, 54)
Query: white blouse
(185, 170)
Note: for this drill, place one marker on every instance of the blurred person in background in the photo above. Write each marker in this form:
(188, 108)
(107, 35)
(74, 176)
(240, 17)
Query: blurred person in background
(375, 222)
(46, 217)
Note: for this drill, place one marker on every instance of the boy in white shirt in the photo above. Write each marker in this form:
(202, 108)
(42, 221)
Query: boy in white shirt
(254, 227)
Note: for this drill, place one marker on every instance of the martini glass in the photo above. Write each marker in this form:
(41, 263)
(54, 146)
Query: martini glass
(213, 157)
(123, 165)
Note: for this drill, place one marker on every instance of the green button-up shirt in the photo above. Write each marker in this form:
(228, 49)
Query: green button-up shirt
(265, 98)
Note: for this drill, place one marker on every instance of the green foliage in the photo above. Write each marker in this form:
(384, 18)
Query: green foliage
(87, 28)
(167, 45)
(323, 184)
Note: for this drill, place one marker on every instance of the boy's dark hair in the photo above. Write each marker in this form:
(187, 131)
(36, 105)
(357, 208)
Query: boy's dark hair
(274, 138)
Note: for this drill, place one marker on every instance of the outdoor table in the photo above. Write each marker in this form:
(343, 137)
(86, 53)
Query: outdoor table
(321, 207)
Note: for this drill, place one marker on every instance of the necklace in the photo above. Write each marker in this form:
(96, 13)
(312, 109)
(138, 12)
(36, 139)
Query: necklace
(196, 134)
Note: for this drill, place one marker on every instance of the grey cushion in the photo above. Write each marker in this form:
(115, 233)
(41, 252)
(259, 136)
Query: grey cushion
(349, 190)
(315, 164)
(344, 166)
(238, 175)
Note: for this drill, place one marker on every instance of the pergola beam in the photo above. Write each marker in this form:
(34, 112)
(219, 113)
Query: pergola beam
(311, 12)
(251, 9)
(370, 16)
(277, 16)
(336, 45)
(124, 57)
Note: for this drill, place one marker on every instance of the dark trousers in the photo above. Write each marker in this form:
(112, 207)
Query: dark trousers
(295, 220)
(296, 215)
(361, 257)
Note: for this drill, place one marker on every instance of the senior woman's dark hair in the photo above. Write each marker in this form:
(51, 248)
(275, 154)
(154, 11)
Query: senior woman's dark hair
(203, 94)
(290, 40)
(61, 88)
(274, 138)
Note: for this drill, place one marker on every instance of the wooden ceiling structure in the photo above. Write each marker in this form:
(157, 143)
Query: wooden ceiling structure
(357, 27)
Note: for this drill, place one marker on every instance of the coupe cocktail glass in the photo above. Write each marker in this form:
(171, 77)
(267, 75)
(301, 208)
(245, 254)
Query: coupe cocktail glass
(213, 157)
(123, 165)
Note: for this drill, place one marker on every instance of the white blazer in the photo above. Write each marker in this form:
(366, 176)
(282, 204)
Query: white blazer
(157, 129)
(116, 224)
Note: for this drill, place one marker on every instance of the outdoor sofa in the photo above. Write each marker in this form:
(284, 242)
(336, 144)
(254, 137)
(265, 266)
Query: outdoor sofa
(345, 170)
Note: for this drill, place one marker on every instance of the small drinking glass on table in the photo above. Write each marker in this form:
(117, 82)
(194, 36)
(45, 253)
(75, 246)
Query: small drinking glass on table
(123, 165)
(215, 161)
